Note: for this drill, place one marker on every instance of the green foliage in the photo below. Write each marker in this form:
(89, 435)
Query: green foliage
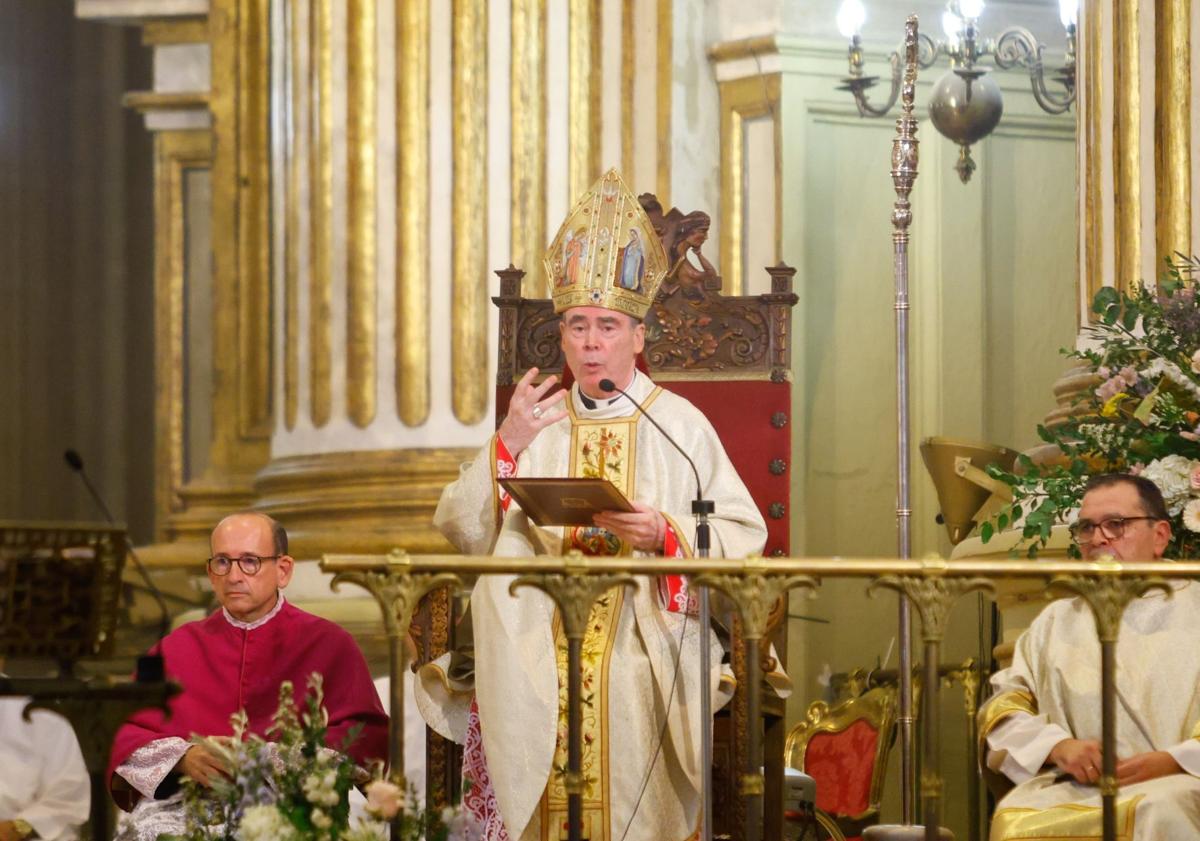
(1143, 417)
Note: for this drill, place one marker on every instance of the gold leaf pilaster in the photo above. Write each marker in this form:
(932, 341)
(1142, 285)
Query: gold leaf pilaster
(242, 199)
(1093, 16)
(583, 81)
(174, 152)
(1173, 127)
(320, 351)
(741, 99)
(1127, 127)
(528, 101)
(360, 212)
(628, 51)
(469, 319)
(412, 211)
(665, 72)
(295, 85)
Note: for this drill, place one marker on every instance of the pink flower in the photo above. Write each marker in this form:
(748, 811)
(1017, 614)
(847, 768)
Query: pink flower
(384, 799)
(1104, 371)
(1136, 470)
(1196, 478)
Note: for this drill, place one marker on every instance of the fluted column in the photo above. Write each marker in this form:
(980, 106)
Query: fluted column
(416, 146)
(1136, 124)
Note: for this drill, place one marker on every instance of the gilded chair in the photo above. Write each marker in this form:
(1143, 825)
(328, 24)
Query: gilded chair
(731, 357)
(845, 749)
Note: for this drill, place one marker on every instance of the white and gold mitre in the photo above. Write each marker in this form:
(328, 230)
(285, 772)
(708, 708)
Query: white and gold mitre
(606, 253)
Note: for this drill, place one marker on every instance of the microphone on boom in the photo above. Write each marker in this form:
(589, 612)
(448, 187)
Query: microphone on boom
(150, 666)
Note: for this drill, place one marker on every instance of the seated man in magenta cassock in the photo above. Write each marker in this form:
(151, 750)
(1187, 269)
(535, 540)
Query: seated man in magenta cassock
(510, 709)
(236, 659)
(1042, 727)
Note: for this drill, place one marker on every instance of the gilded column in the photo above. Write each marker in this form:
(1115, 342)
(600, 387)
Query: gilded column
(294, 80)
(1173, 127)
(469, 332)
(528, 101)
(584, 95)
(1127, 127)
(360, 211)
(320, 176)
(412, 211)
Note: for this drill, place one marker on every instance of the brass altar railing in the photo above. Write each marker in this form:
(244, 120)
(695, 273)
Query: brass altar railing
(399, 581)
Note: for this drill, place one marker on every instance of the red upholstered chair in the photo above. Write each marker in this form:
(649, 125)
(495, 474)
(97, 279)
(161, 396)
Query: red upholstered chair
(845, 749)
(731, 357)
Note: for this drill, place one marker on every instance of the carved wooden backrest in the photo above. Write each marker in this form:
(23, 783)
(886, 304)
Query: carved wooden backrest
(728, 355)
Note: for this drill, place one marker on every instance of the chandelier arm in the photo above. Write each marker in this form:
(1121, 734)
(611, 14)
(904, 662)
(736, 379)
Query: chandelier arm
(927, 55)
(1050, 102)
(865, 108)
(1016, 45)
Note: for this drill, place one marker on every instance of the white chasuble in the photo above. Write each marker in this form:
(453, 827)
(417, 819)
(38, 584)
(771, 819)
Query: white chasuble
(632, 644)
(1052, 691)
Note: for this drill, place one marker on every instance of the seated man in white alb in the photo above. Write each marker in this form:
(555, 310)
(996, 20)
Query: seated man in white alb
(1042, 727)
(44, 787)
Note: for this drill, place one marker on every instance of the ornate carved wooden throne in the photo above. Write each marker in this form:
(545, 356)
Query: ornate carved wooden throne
(731, 357)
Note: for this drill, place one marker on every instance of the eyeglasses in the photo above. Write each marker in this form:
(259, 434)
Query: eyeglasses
(250, 564)
(1113, 528)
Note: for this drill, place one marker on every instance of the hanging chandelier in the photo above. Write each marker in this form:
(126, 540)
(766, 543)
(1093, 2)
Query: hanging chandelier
(965, 104)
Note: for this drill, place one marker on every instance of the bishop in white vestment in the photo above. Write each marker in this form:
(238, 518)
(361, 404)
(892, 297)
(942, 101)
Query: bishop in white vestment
(511, 712)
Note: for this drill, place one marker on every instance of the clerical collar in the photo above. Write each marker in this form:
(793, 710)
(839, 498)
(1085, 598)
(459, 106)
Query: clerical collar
(639, 387)
(257, 623)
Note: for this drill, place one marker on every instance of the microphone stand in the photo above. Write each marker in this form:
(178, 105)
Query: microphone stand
(150, 668)
(701, 508)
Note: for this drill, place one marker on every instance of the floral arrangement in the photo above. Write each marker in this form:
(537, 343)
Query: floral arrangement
(293, 788)
(1143, 418)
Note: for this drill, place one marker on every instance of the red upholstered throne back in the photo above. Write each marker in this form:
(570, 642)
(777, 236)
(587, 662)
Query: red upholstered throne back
(844, 749)
(842, 762)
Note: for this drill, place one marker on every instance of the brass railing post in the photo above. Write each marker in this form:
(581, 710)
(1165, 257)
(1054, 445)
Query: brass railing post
(933, 596)
(754, 592)
(399, 590)
(574, 591)
(1108, 596)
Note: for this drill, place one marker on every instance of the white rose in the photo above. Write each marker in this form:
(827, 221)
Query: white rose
(1173, 475)
(320, 820)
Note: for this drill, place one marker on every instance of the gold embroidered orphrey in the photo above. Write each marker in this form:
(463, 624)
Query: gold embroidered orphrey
(594, 764)
(606, 254)
(600, 449)
(603, 449)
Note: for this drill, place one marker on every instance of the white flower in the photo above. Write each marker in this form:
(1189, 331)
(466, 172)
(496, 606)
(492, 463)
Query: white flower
(1162, 368)
(319, 788)
(1191, 515)
(1196, 362)
(1173, 475)
(384, 799)
(264, 823)
(320, 820)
